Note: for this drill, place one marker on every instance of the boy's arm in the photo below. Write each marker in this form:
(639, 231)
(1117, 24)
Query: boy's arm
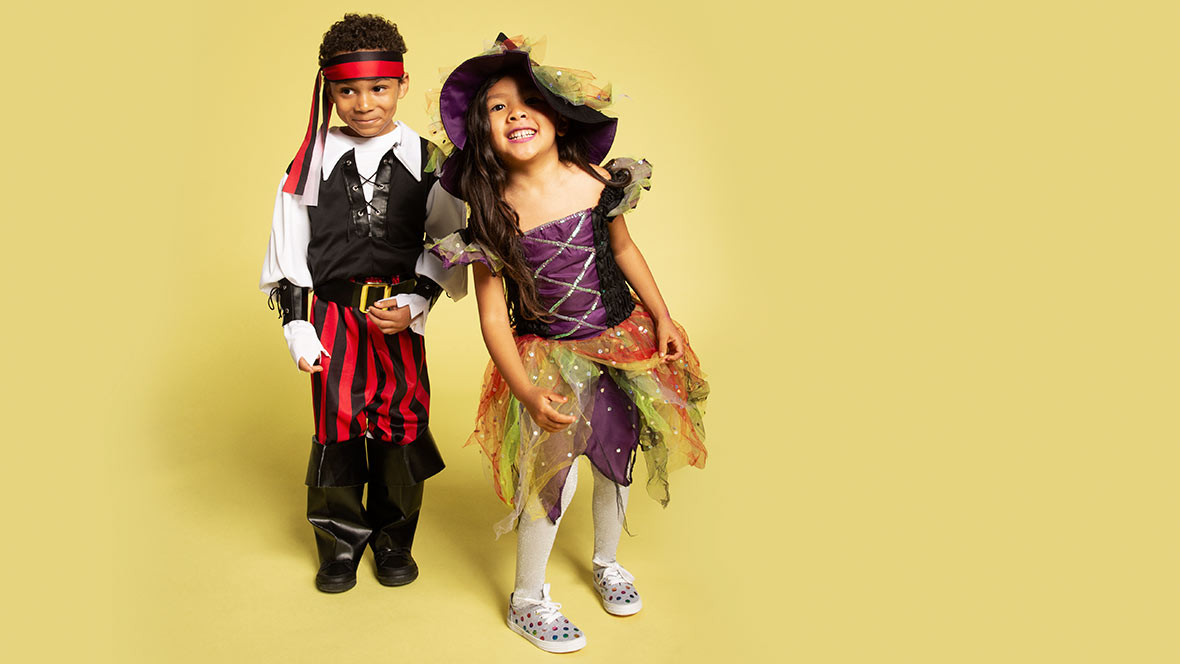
(286, 277)
(445, 214)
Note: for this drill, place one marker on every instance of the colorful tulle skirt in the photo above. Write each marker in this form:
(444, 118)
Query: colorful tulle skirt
(623, 396)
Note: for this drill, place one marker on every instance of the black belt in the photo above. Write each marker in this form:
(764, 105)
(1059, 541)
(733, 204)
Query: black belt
(361, 295)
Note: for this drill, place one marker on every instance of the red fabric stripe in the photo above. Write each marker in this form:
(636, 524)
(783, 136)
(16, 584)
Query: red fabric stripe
(371, 366)
(300, 165)
(328, 335)
(315, 385)
(344, 394)
(411, 427)
(364, 69)
(381, 347)
(423, 394)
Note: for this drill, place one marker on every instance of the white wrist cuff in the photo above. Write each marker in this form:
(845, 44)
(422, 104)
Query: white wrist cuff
(303, 342)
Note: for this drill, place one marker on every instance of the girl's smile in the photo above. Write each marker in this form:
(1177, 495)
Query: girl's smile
(522, 135)
(523, 126)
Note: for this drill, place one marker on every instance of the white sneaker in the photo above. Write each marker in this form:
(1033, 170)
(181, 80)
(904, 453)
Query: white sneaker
(616, 587)
(542, 623)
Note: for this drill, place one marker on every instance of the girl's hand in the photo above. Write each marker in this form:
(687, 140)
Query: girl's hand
(670, 342)
(538, 402)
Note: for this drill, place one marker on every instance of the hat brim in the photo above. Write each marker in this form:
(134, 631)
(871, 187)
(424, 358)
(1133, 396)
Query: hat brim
(460, 89)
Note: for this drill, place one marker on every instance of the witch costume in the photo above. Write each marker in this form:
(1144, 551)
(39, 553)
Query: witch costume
(598, 346)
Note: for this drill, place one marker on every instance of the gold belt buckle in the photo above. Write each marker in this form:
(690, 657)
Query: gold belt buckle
(365, 303)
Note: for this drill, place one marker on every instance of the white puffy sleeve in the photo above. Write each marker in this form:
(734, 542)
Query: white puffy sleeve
(286, 258)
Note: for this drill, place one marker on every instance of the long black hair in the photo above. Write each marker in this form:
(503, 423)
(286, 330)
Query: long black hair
(494, 223)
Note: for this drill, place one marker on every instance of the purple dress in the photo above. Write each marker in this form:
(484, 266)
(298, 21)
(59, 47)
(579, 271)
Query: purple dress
(626, 396)
(562, 254)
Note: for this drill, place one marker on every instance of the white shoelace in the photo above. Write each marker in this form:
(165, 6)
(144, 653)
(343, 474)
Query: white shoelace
(546, 609)
(614, 575)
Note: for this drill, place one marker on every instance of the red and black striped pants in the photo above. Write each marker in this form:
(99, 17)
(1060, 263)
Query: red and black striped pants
(373, 383)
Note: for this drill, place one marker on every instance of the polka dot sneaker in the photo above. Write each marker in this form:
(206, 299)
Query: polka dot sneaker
(543, 625)
(616, 587)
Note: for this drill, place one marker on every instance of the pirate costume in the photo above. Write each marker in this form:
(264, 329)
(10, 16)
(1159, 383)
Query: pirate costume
(351, 218)
(597, 348)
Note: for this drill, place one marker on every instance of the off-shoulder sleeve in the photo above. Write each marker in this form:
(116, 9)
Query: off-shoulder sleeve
(456, 249)
(445, 214)
(640, 180)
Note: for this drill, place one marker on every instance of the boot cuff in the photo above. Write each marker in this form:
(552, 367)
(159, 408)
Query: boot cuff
(404, 465)
(337, 464)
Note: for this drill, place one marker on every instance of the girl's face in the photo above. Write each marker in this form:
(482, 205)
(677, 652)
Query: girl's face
(522, 124)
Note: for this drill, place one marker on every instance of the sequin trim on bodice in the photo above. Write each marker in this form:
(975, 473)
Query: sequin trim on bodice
(563, 257)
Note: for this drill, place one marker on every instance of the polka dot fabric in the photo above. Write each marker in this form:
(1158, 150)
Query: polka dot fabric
(543, 625)
(619, 595)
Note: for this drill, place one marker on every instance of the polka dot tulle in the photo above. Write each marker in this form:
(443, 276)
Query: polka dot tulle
(669, 396)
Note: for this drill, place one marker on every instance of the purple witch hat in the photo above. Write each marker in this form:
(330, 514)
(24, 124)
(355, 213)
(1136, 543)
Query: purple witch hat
(567, 91)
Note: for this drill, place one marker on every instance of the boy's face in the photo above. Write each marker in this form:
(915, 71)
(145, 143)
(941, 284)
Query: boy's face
(367, 105)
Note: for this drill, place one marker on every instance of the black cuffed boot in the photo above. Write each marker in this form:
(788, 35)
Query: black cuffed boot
(393, 515)
(396, 477)
(340, 534)
(335, 479)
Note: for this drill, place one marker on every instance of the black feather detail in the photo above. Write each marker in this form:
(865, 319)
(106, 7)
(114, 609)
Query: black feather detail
(616, 294)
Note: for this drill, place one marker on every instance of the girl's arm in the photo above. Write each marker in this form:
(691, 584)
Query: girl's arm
(497, 336)
(638, 274)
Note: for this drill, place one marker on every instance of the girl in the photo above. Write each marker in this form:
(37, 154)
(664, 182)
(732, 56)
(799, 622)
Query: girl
(579, 367)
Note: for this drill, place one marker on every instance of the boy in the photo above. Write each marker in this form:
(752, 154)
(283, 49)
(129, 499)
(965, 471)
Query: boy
(351, 218)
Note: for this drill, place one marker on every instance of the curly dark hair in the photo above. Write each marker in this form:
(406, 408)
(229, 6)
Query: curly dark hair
(355, 32)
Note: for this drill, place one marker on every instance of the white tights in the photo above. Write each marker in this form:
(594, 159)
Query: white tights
(534, 537)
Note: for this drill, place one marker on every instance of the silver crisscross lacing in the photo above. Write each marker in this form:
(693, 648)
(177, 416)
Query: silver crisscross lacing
(576, 285)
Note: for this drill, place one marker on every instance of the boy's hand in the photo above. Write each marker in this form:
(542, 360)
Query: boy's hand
(538, 403)
(392, 320)
(670, 342)
(308, 368)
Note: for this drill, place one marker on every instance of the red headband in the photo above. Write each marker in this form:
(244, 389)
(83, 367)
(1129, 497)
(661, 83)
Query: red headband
(364, 69)
(308, 160)
(364, 64)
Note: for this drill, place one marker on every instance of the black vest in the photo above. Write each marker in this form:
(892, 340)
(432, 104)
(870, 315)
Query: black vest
(352, 238)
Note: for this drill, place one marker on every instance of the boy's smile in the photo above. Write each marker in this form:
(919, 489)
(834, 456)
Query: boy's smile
(367, 105)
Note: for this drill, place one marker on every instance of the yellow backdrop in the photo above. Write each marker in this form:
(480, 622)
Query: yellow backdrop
(925, 249)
